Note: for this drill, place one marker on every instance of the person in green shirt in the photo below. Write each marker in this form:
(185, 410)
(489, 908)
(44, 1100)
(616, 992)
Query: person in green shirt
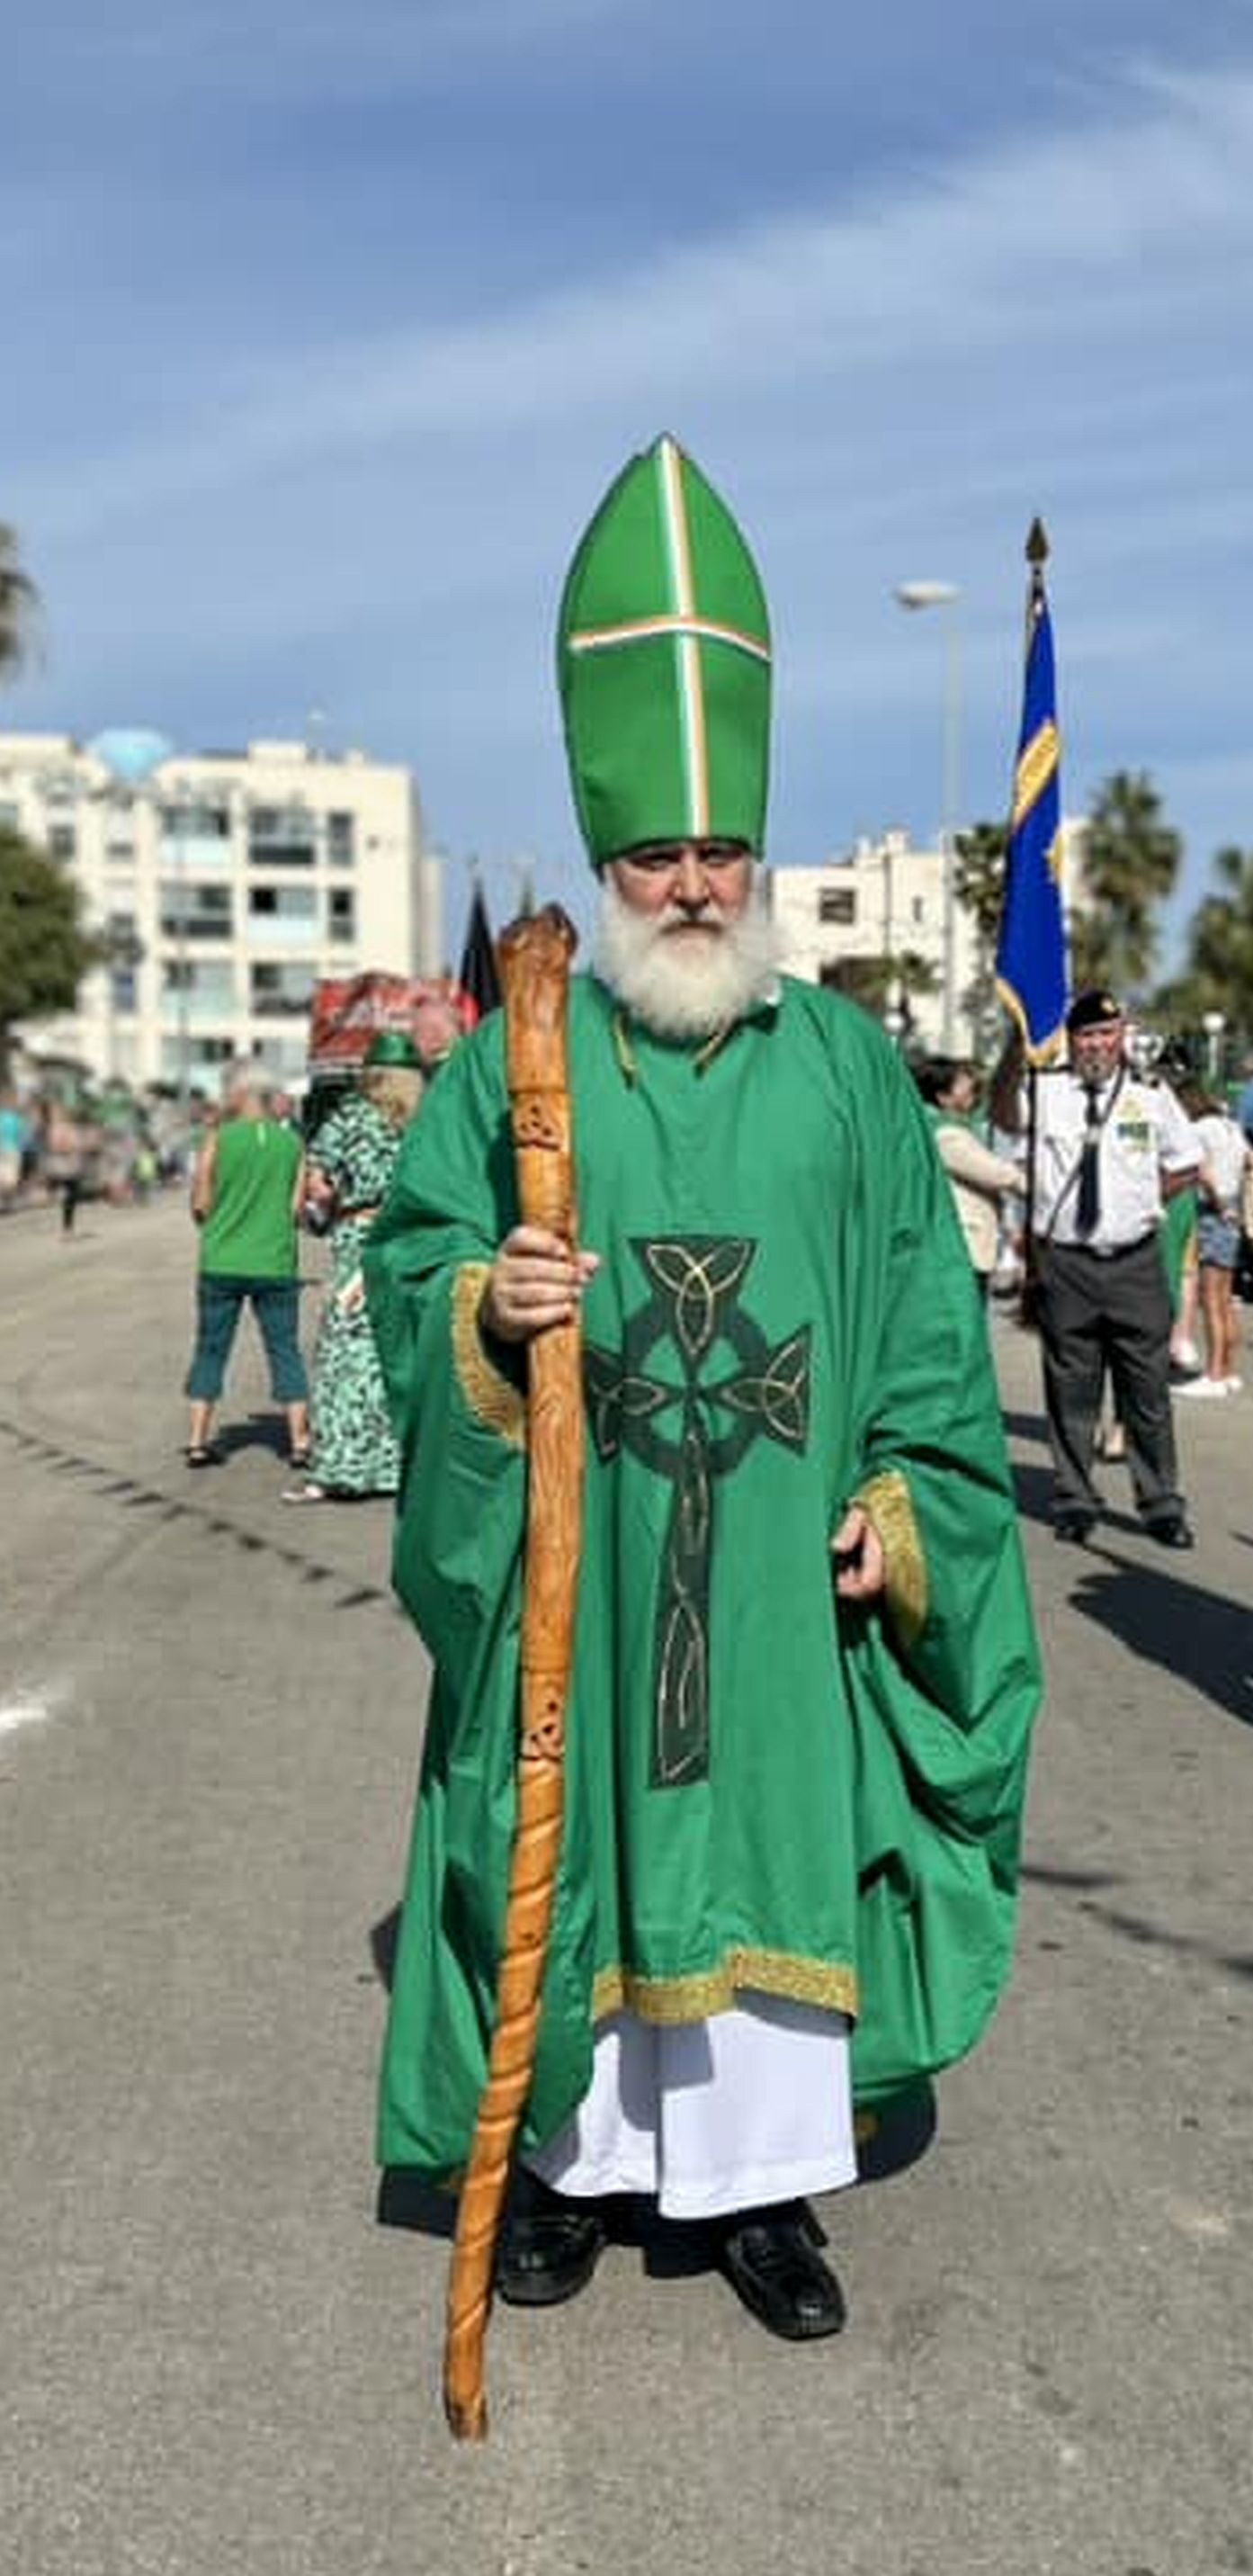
(804, 1666)
(246, 1194)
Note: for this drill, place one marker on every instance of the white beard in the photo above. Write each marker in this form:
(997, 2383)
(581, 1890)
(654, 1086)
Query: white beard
(686, 986)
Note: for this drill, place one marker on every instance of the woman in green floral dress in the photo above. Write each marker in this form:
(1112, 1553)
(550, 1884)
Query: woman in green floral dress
(354, 1449)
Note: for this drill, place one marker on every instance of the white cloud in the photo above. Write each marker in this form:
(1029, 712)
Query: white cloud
(1070, 251)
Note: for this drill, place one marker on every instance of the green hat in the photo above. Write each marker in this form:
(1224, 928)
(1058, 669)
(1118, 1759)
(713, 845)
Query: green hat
(393, 1046)
(663, 663)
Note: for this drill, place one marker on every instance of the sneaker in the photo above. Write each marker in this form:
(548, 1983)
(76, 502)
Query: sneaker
(1234, 1385)
(1185, 1356)
(1204, 1386)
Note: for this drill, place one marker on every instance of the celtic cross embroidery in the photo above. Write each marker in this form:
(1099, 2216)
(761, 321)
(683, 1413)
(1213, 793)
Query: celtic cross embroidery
(693, 1430)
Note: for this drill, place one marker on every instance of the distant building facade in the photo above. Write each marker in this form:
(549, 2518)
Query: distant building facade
(885, 901)
(228, 882)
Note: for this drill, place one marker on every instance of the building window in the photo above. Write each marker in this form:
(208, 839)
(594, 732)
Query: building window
(918, 909)
(280, 838)
(125, 953)
(342, 921)
(10, 818)
(62, 841)
(283, 903)
(195, 822)
(837, 903)
(340, 839)
(280, 992)
(210, 983)
(195, 911)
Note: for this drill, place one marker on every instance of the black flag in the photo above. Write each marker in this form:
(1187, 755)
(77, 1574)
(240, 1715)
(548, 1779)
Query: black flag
(478, 976)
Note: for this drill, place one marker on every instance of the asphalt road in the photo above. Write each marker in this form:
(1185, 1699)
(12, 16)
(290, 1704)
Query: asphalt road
(216, 2357)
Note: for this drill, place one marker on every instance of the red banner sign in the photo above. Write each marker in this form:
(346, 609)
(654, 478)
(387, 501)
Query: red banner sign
(348, 1010)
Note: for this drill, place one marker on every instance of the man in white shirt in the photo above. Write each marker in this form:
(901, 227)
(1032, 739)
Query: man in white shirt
(1110, 1149)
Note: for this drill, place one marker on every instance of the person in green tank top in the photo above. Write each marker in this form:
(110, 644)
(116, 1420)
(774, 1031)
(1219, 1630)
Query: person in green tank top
(246, 1194)
(804, 1668)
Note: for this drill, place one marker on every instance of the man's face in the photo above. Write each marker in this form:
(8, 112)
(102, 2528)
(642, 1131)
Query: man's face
(692, 890)
(1097, 1052)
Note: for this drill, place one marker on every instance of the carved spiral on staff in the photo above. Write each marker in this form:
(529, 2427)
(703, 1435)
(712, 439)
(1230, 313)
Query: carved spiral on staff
(534, 959)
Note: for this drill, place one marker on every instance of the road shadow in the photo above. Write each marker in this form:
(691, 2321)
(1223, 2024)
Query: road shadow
(1198, 1637)
(1088, 1891)
(258, 1431)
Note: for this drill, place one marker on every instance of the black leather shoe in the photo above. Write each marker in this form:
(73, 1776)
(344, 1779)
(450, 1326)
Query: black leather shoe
(771, 2257)
(549, 2245)
(1075, 1526)
(1171, 1533)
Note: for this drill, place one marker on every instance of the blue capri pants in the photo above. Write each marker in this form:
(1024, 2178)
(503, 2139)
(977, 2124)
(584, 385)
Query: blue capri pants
(220, 1301)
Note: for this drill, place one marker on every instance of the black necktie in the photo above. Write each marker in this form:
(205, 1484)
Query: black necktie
(1088, 1203)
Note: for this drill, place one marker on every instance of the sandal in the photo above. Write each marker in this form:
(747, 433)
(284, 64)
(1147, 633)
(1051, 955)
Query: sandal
(299, 1459)
(203, 1453)
(309, 1493)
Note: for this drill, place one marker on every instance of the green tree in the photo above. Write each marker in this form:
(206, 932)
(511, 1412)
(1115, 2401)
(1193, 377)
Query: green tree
(979, 885)
(1130, 862)
(872, 981)
(44, 949)
(1218, 967)
(19, 602)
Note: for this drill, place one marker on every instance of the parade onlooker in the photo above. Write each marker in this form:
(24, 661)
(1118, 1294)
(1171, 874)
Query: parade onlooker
(246, 1193)
(64, 1161)
(12, 1147)
(354, 1449)
(1111, 1147)
(804, 1670)
(981, 1181)
(1225, 1156)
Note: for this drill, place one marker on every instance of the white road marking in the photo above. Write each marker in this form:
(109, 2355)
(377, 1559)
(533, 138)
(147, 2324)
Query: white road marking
(25, 1710)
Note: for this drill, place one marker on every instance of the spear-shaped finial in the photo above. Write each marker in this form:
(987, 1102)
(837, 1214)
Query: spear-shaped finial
(1037, 548)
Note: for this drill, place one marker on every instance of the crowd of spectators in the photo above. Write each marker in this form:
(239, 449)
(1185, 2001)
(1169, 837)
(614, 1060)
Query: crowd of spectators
(65, 1146)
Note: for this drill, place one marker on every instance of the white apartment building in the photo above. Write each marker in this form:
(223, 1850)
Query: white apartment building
(230, 881)
(888, 900)
(884, 900)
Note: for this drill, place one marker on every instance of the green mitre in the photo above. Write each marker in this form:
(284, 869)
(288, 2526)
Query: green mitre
(663, 662)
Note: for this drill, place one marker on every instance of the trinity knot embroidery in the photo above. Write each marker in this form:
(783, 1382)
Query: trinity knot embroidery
(692, 1423)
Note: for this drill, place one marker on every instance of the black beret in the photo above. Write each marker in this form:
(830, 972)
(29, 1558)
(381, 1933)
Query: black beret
(1093, 1010)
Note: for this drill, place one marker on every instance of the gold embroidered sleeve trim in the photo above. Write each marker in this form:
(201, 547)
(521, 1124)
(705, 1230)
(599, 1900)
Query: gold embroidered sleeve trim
(500, 1406)
(831, 1985)
(889, 1509)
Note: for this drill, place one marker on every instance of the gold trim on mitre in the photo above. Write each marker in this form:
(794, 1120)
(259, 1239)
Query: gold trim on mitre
(831, 1985)
(888, 1507)
(498, 1405)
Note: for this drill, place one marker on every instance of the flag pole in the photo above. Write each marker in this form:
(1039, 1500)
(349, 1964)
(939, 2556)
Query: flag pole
(1037, 554)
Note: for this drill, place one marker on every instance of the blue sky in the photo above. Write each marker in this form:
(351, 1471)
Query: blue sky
(325, 329)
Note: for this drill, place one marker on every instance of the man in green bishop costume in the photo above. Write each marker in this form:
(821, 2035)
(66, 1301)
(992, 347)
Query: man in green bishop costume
(804, 1669)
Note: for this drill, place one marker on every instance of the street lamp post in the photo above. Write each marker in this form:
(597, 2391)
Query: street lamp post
(1213, 1023)
(945, 594)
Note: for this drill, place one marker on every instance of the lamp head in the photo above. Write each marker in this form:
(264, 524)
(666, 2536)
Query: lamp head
(926, 594)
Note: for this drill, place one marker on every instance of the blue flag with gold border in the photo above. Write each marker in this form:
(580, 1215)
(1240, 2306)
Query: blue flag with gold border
(1031, 951)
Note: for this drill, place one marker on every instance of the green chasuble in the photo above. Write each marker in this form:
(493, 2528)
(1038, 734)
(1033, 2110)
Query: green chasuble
(767, 1790)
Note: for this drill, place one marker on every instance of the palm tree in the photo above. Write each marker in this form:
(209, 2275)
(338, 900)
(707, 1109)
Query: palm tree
(1218, 973)
(1130, 863)
(979, 884)
(19, 601)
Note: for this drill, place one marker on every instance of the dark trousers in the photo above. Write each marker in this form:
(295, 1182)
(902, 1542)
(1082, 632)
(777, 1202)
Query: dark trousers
(1110, 1314)
(220, 1302)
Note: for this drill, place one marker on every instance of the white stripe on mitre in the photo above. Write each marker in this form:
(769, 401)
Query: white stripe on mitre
(683, 600)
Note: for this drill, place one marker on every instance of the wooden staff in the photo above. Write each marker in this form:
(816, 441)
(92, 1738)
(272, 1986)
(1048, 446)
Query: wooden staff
(534, 958)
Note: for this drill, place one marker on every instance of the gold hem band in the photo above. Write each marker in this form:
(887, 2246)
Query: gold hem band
(497, 1404)
(888, 1507)
(831, 1986)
